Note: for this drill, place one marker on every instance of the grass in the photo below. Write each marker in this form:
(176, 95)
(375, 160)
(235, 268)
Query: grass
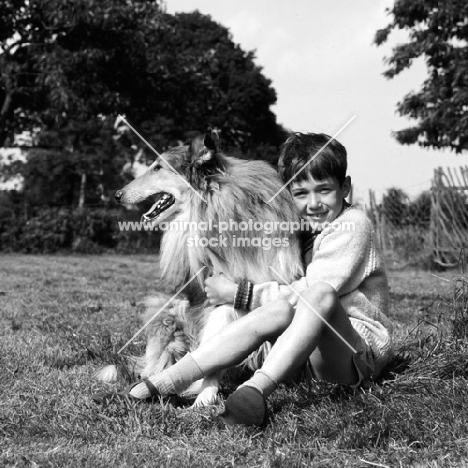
(63, 316)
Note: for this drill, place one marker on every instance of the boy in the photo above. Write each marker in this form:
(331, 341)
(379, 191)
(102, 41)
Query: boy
(332, 320)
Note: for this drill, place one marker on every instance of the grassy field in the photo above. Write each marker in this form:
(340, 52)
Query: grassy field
(62, 316)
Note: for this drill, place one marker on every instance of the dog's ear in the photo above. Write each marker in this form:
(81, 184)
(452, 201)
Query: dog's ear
(203, 151)
(211, 140)
(205, 160)
(198, 153)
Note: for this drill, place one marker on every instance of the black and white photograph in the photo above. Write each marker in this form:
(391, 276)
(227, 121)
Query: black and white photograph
(233, 234)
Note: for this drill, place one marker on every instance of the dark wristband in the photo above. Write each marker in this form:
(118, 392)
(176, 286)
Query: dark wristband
(243, 294)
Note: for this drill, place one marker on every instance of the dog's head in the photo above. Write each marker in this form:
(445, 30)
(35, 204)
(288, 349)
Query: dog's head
(176, 176)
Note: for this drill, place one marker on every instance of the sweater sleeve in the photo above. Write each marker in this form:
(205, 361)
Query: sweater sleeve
(339, 259)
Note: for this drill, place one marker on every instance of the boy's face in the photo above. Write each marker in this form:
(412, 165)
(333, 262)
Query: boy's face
(320, 201)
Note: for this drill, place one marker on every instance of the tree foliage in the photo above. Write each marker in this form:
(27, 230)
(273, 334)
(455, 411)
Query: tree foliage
(395, 206)
(64, 60)
(420, 209)
(53, 174)
(70, 67)
(62, 64)
(202, 77)
(437, 32)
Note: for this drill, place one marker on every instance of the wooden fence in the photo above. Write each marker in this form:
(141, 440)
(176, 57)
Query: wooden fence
(449, 215)
(432, 229)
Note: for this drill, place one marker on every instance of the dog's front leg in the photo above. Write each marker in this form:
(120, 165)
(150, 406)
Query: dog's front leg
(209, 390)
(215, 321)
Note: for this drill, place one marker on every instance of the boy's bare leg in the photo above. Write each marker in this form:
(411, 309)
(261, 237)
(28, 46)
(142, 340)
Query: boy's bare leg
(301, 335)
(243, 336)
(230, 347)
(324, 334)
(328, 346)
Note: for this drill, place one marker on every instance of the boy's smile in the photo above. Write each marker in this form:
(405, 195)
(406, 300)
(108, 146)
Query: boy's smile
(320, 201)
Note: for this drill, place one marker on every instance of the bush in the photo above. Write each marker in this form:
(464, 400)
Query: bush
(91, 230)
(411, 245)
(48, 231)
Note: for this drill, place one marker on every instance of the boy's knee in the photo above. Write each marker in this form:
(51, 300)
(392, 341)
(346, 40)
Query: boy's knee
(282, 311)
(321, 294)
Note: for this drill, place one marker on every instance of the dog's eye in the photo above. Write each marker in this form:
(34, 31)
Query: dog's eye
(156, 168)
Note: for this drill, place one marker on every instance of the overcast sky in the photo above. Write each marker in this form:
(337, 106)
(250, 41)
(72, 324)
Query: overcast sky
(325, 69)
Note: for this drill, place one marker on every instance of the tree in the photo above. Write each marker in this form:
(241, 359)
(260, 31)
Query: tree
(69, 59)
(63, 60)
(201, 79)
(420, 210)
(395, 207)
(69, 67)
(62, 64)
(60, 175)
(438, 31)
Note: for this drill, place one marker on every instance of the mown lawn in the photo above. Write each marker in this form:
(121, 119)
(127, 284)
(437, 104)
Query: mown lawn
(62, 316)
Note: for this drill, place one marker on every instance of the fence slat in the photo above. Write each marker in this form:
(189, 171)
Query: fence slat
(449, 214)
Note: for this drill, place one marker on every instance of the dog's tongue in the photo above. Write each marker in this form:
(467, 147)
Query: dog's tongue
(162, 202)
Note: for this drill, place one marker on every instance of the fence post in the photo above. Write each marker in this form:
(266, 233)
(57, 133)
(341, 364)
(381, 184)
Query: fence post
(434, 215)
(377, 218)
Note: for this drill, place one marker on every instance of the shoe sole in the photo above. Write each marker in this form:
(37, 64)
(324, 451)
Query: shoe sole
(246, 406)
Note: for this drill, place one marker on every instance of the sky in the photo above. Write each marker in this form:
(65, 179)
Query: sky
(320, 57)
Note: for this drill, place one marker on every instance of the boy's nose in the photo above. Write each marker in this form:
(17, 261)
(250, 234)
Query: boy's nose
(313, 202)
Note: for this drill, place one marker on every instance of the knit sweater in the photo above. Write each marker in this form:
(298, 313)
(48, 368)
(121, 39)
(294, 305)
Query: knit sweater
(346, 257)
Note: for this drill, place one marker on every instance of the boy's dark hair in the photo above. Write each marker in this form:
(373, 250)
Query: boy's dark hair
(298, 150)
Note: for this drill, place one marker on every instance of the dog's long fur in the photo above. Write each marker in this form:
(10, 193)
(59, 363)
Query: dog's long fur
(233, 189)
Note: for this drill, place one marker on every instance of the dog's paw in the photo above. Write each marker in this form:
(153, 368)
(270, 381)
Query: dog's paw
(208, 397)
(107, 374)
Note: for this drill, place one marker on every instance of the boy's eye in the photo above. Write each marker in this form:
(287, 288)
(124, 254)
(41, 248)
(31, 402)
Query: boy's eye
(298, 194)
(325, 190)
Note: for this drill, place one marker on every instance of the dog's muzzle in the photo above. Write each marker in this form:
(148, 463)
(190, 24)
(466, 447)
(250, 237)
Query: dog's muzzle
(118, 195)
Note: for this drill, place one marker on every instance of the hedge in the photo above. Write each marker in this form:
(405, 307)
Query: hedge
(90, 230)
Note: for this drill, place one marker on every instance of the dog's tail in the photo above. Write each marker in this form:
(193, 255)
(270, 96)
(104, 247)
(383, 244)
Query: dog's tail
(171, 334)
(107, 374)
(127, 366)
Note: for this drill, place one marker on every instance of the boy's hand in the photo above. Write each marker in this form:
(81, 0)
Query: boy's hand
(219, 290)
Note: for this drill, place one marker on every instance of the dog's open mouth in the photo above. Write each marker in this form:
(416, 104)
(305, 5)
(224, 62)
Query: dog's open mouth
(161, 202)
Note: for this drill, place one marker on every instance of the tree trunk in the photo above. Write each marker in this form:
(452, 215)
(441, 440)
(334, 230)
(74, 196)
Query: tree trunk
(82, 199)
(3, 116)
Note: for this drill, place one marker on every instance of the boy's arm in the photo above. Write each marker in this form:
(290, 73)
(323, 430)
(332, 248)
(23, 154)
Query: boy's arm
(267, 292)
(340, 261)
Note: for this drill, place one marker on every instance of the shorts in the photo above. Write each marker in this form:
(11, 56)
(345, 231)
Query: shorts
(363, 361)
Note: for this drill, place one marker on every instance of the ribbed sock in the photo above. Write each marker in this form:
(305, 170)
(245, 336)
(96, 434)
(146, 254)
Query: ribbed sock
(263, 382)
(173, 380)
